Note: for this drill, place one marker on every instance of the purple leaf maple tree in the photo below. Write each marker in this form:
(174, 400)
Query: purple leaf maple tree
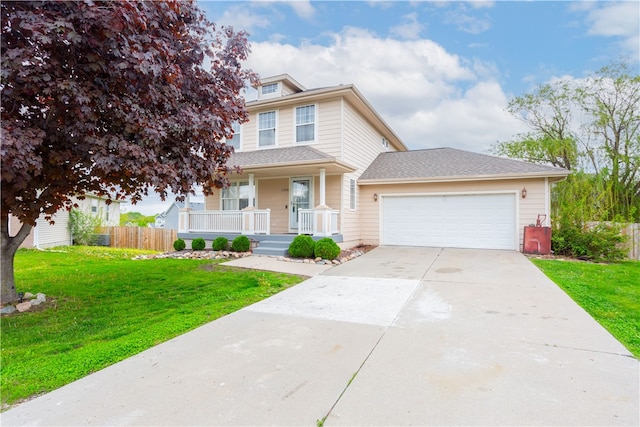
(115, 99)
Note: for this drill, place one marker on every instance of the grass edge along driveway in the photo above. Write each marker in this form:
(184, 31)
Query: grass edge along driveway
(610, 293)
(104, 307)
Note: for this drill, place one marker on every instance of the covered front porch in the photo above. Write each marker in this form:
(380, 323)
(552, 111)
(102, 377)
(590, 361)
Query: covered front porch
(280, 191)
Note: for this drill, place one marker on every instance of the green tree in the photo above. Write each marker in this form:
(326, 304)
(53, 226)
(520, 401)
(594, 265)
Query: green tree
(111, 97)
(136, 218)
(592, 126)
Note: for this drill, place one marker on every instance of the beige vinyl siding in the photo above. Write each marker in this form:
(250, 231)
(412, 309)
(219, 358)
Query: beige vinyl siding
(361, 145)
(331, 188)
(329, 126)
(249, 132)
(285, 130)
(527, 209)
(212, 203)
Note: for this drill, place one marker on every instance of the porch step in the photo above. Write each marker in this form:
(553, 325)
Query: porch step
(272, 247)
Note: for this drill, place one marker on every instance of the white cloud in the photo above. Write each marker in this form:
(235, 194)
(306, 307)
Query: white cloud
(240, 17)
(480, 4)
(621, 19)
(382, 4)
(467, 23)
(410, 29)
(303, 9)
(430, 97)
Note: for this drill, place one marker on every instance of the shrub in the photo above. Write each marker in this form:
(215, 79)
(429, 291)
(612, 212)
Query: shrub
(302, 247)
(326, 248)
(602, 242)
(220, 244)
(241, 244)
(83, 227)
(198, 244)
(179, 245)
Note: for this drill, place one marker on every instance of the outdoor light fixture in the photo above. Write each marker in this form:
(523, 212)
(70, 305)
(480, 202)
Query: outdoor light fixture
(523, 192)
(375, 197)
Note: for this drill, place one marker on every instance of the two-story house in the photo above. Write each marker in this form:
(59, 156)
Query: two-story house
(323, 162)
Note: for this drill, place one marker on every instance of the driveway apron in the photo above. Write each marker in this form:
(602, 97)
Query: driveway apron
(399, 336)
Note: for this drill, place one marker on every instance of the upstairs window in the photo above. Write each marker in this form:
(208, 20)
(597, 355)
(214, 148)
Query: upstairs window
(269, 88)
(306, 123)
(235, 141)
(94, 206)
(385, 144)
(267, 129)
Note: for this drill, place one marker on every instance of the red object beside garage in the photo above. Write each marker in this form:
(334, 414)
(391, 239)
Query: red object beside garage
(537, 240)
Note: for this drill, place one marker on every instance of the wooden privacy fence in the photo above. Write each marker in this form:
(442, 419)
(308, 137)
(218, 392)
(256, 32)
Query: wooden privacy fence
(153, 239)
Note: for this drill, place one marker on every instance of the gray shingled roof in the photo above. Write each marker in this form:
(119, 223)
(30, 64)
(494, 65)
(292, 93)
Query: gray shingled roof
(449, 163)
(275, 156)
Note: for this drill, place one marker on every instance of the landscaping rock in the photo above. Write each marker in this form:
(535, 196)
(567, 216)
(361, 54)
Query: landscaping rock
(35, 302)
(28, 295)
(206, 254)
(23, 306)
(41, 297)
(7, 310)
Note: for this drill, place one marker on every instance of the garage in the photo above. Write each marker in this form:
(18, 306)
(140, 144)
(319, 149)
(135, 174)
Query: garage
(480, 221)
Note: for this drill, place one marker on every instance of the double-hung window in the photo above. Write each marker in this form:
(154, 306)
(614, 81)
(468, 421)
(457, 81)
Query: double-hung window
(235, 141)
(306, 123)
(267, 129)
(236, 196)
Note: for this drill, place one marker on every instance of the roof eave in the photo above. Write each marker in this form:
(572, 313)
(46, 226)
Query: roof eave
(554, 176)
(298, 163)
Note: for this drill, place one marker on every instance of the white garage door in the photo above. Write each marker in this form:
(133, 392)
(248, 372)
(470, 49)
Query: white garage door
(485, 221)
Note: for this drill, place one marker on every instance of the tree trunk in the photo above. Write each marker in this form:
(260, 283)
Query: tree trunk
(8, 247)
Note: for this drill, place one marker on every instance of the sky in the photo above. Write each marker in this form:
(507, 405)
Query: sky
(440, 73)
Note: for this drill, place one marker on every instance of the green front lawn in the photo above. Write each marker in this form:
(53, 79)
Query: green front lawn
(104, 307)
(610, 293)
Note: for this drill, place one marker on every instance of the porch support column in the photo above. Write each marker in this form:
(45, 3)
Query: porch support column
(323, 202)
(252, 190)
(249, 213)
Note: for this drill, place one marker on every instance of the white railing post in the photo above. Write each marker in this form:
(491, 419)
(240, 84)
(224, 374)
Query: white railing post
(322, 220)
(183, 220)
(249, 220)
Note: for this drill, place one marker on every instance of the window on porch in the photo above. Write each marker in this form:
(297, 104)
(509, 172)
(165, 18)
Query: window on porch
(236, 196)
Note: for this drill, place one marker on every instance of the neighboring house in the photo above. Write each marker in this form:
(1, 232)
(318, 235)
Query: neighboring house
(170, 216)
(46, 235)
(160, 220)
(323, 162)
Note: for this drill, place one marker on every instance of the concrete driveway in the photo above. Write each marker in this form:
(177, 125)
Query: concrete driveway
(399, 336)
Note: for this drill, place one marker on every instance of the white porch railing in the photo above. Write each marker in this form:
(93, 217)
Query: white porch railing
(318, 222)
(248, 221)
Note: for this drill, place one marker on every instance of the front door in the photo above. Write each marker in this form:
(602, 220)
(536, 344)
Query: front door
(300, 198)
